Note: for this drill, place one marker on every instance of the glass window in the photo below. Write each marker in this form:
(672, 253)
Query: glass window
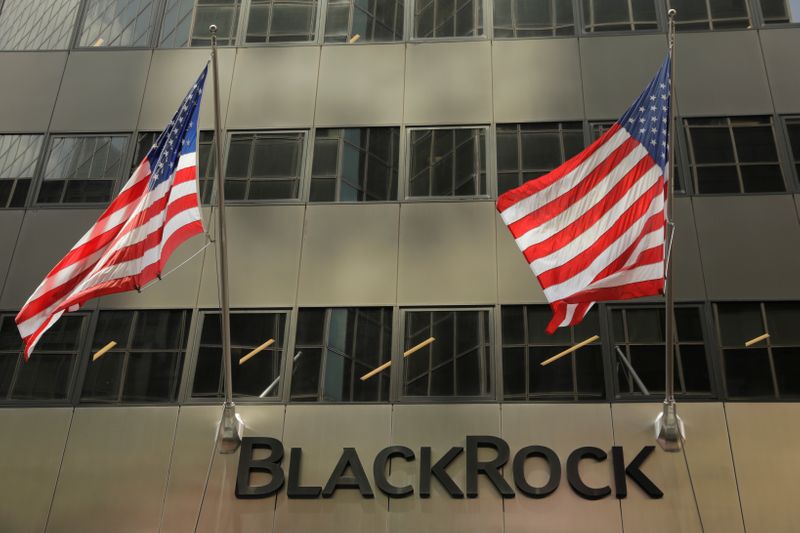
(19, 155)
(447, 162)
(37, 25)
(456, 363)
(145, 365)
(448, 18)
(82, 169)
(264, 166)
(355, 165)
(526, 345)
(793, 129)
(335, 347)
(117, 23)
(259, 376)
(780, 11)
(364, 20)
(639, 333)
(533, 18)
(48, 374)
(274, 21)
(186, 22)
(710, 14)
(734, 155)
(766, 369)
(529, 151)
(619, 15)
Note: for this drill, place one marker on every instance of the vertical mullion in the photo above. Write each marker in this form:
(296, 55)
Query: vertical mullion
(735, 154)
(126, 355)
(574, 366)
(627, 347)
(771, 362)
(353, 353)
(323, 360)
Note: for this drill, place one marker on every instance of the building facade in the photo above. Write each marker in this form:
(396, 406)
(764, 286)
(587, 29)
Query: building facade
(364, 146)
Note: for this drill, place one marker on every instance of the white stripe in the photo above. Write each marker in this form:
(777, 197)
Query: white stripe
(186, 160)
(570, 312)
(649, 272)
(52, 320)
(187, 188)
(185, 217)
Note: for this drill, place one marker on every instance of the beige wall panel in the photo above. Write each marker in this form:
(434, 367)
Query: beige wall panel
(32, 95)
(274, 87)
(442, 427)
(707, 61)
(780, 55)
(764, 440)
(689, 282)
(447, 254)
(361, 85)
(349, 255)
(172, 74)
(46, 236)
(616, 70)
(103, 91)
(10, 222)
(115, 470)
(750, 246)
(676, 511)
(448, 83)
(263, 257)
(222, 512)
(537, 80)
(322, 431)
(516, 282)
(562, 428)
(708, 454)
(31, 447)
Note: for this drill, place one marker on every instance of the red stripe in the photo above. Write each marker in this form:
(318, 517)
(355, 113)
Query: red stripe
(655, 222)
(184, 175)
(182, 234)
(559, 314)
(621, 292)
(579, 313)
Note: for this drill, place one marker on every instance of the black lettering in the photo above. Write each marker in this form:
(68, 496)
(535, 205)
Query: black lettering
(358, 480)
(295, 490)
(618, 460)
(633, 470)
(438, 471)
(247, 465)
(574, 478)
(383, 458)
(553, 464)
(491, 469)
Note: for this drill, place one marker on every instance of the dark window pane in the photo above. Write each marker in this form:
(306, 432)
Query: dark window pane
(513, 371)
(695, 368)
(555, 377)
(44, 377)
(689, 324)
(8, 363)
(103, 378)
(513, 325)
(723, 179)
(755, 144)
(305, 376)
(783, 322)
(739, 322)
(310, 327)
(712, 145)
(152, 377)
(762, 178)
(589, 371)
(747, 373)
(648, 361)
(645, 325)
(207, 373)
(787, 370)
(159, 329)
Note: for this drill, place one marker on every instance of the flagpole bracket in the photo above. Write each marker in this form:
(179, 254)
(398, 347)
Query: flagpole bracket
(670, 431)
(230, 429)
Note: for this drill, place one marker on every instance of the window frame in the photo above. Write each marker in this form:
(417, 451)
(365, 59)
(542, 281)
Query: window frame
(752, 13)
(784, 145)
(38, 169)
(582, 21)
(759, 21)
(156, 19)
(409, 22)
(244, 21)
(323, 19)
(576, 22)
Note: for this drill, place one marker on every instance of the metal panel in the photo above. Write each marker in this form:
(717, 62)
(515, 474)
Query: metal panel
(447, 254)
(537, 80)
(115, 469)
(263, 257)
(222, 511)
(720, 73)
(103, 91)
(688, 268)
(616, 70)
(676, 511)
(448, 83)
(780, 55)
(708, 454)
(10, 221)
(563, 511)
(274, 87)
(29, 99)
(750, 246)
(441, 427)
(361, 85)
(363, 427)
(31, 447)
(172, 72)
(349, 255)
(764, 440)
(516, 282)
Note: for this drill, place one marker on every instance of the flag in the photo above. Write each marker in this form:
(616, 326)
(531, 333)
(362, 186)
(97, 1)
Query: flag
(593, 229)
(130, 243)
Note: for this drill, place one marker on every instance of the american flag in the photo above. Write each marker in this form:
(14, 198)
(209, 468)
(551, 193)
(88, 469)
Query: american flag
(130, 243)
(593, 229)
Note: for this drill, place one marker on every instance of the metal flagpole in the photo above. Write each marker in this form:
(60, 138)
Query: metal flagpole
(229, 438)
(669, 426)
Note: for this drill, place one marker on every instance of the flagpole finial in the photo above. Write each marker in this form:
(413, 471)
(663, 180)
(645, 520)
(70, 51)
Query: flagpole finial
(672, 12)
(213, 27)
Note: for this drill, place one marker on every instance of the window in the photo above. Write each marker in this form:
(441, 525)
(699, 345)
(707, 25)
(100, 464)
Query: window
(145, 366)
(259, 376)
(456, 363)
(364, 20)
(767, 369)
(48, 374)
(619, 15)
(274, 21)
(448, 18)
(186, 22)
(734, 155)
(780, 11)
(533, 18)
(37, 25)
(117, 23)
(639, 334)
(528, 151)
(710, 14)
(264, 166)
(793, 129)
(355, 165)
(336, 348)
(19, 155)
(447, 162)
(526, 345)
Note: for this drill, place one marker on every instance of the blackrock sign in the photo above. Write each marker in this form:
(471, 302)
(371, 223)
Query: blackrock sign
(349, 471)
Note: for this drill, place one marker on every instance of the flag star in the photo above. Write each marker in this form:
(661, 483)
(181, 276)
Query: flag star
(652, 97)
(663, 96)
(664, 143)
(653, 142)
(654, 130)
(641, 120)
(664, 108)
(641, 109)
(653, 119)
(660, 85)
(653, 108)
(642, 130)
(631, 120)
(664, 120)
(664, 131)
(663, 155)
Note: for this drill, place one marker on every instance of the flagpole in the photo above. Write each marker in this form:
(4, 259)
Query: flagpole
(669, 426)
(229, 427)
